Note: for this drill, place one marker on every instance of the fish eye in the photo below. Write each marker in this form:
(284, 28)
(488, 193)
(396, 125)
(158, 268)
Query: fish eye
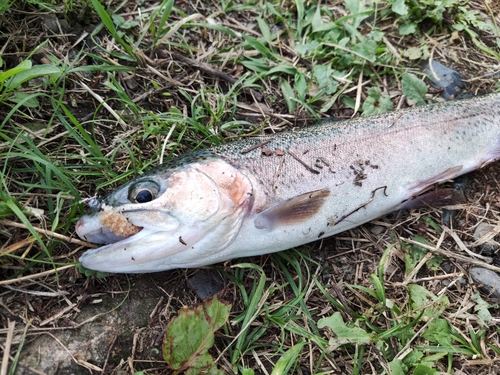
(143, 196)
(144, 193)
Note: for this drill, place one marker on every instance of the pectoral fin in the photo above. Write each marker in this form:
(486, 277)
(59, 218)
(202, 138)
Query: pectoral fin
(292, 211)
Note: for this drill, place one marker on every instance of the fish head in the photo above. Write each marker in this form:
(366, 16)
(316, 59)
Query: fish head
(181, 214)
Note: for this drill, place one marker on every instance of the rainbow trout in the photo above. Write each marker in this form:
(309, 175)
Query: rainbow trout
(267, 194)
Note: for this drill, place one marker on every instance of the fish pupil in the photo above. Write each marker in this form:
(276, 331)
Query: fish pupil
(144, 196)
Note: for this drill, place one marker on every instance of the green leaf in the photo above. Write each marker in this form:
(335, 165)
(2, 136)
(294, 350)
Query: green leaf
(88, 273)
(288, 359)
(122, 23)
(399, 7)
(258, 65)
(413, 358)
(414, 254)
(259, 46)
(300, 15)
(413, 53)
(264, 29)
(304, 49)
(106, 20)
(300, 86)
(28, 100)
(424, 370)
(438, 332)
(282, 69)
(366, 48)
(376, 103)
(354, 6)
(323, 75)
(407, 28)
(26, 75)
(421, 298)
(22, 66)
(190, 335)
(288, 95)
(252, 303)
(482, 308)
(434, 226)
(379, 288)
(317, 22)
(435, 262)
(343, 333)
(397, 367)
(414, 88)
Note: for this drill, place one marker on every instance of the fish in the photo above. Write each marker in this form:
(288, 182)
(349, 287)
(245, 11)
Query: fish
(266, 194)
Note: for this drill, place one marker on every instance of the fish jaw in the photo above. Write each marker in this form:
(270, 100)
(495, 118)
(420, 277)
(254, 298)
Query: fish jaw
(90, 229)
(147, 251)
(198, 210)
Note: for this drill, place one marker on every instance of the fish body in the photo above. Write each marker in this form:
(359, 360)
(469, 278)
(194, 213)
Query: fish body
(267, 194)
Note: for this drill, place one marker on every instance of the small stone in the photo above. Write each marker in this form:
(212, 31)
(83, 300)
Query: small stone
(489, 281)
(377, 229)
(206, 283)
(54, 24)
(447, 267)
(50, 21)
(489, 247)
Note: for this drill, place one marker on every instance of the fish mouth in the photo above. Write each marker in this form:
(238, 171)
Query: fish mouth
(91, 230)
(149, 250)
(114, 257)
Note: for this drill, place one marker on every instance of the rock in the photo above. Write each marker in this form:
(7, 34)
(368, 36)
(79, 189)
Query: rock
(443, 77)
(206, 283)
(377, 229)
(483, 230)
(489, 281)
(56, 25)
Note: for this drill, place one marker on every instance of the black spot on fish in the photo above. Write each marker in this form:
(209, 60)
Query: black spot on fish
(320, 234)
(182, 241)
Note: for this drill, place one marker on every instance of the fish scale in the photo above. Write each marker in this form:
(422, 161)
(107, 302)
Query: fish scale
(376, 139)
(296, 186)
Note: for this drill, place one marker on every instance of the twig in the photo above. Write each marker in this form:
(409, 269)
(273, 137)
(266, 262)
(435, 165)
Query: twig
(104, 104)
(309, 168)
(209, 70)
(38, 292)
(8, 343)
(47, 233)
(37, 275)
(165, 142)
(58, 315)
(454, 255)
(17, 246)
(251, 148)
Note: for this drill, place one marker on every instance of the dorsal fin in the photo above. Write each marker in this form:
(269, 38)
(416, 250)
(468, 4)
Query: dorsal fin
(292, 211)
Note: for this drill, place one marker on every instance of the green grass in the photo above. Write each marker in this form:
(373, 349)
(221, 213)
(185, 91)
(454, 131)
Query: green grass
(60, 143)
